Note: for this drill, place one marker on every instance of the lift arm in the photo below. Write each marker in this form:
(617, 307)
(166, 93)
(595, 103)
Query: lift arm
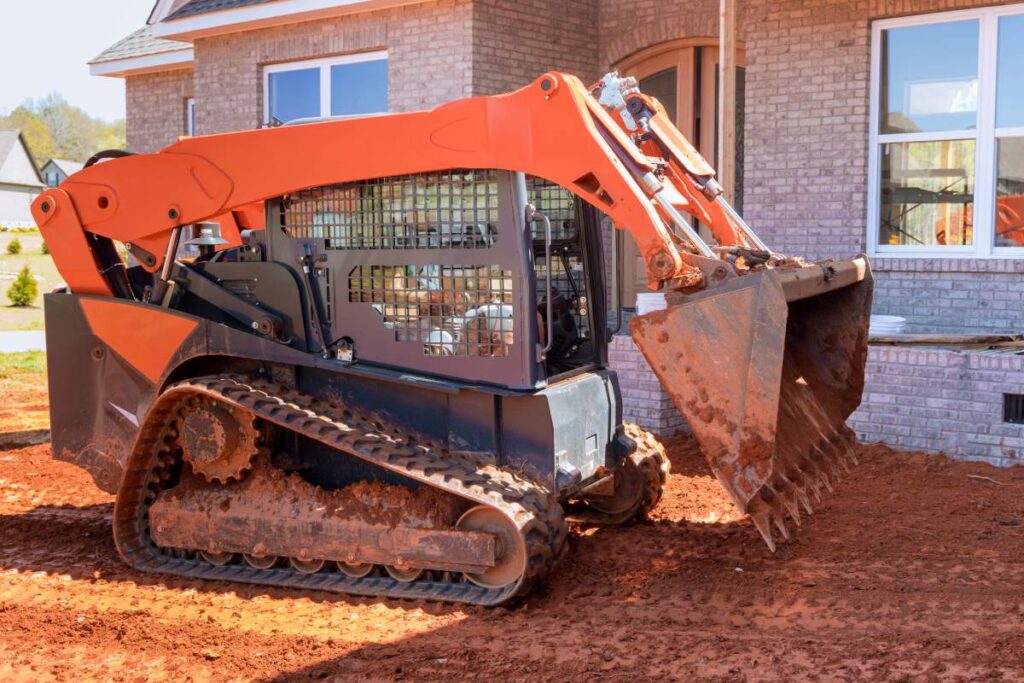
(611, 145)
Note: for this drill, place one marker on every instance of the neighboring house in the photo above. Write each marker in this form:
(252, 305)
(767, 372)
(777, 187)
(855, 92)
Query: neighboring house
(56, 171)
(20, 182)
(892, 127)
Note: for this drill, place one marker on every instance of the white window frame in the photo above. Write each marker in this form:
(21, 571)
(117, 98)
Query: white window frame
(190, 116)
(985, 134)
(324, 65)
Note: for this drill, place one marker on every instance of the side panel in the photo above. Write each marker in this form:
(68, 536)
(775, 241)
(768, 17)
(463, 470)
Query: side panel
(101, 380)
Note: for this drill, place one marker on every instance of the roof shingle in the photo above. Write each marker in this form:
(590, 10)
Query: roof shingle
(203, 6)
(138, 44)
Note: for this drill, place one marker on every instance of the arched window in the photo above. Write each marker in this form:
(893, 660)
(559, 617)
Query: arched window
(683, 75)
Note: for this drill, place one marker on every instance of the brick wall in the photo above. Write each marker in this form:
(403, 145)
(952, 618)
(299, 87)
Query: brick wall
(155, 104)
(952, 295)
(806, 170)
(514, 43)
(429, 59)
(627, 26)
(644, 402)
(942, 401)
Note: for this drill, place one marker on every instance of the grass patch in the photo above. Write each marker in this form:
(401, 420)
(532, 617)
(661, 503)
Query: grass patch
(42, 267)
(22, 365)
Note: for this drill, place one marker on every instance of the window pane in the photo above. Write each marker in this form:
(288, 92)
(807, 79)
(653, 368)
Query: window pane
(360, 88)
(662, 86)
(927, 193)
(1010, 86)
(294, 94)
(930, 78)
(1010, 193)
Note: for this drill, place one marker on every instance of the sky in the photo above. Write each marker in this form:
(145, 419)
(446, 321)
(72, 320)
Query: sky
(48, 42)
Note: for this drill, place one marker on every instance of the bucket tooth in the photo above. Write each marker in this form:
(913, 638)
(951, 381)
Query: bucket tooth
(823, 477)
(764, 527)
(789, 502)
(780, 524)
(811, 481)
(805, 500)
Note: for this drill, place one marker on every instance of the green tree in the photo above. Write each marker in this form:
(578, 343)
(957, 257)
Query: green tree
(24, 290)
(44, 249)
(14, 246)
(37, 135)
(54, 128)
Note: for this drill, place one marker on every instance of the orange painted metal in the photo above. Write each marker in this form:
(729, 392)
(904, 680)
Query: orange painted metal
(69, 245)
(1010, 219)
(153, 338)
(552, 128)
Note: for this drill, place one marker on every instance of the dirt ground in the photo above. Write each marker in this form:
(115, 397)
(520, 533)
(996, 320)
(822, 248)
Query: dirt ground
(912, 571)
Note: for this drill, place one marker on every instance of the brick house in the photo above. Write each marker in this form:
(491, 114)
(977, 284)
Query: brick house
(892, 127)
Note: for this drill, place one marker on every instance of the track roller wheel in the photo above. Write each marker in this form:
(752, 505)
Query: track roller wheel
(355, 570)
(262, 562)
(510, 550)
(307, 566)
(217, 559)
(403, 575)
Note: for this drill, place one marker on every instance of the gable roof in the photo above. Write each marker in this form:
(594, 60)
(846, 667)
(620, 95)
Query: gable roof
(141, 51)
(195, 7)
(12, 170)
(67, 167)
(137, 44)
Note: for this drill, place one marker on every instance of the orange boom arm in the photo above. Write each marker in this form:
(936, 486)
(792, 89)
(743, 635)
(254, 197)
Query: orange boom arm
(620, 154)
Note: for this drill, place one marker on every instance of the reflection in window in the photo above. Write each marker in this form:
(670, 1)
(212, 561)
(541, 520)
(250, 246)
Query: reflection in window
(663, 86)
(294, 94)
(1010, 86)
(930, 78)
(927, 193)
(1010, 193)
(359, 88)
(352, 85)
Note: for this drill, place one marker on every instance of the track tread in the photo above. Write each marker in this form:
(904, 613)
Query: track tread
(533, 509)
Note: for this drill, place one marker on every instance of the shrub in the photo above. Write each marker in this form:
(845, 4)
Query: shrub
(14, 246)
(44, 250)
(24, 290)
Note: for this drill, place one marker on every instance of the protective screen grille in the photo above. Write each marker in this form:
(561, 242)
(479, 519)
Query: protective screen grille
(446, 210)
(555, 202)
(451, 310)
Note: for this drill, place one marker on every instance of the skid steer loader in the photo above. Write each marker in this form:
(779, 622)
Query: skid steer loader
(370, 355)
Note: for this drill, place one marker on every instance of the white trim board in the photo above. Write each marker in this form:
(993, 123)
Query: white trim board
(160, 61)
(264, 15)
(985, 134)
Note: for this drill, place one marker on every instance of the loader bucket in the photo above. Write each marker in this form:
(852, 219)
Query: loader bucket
(766, 370)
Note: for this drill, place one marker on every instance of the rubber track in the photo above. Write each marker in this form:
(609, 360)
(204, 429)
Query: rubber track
(530, 506)
(653, 465)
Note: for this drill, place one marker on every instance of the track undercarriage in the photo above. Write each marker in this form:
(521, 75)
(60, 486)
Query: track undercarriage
(207, 495)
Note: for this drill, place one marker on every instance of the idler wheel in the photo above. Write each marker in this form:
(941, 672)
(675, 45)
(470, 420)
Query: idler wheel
(510, 549)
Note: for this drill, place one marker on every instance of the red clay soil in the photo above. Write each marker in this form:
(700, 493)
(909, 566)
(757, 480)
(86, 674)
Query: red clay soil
(24, 410)
(912, 571)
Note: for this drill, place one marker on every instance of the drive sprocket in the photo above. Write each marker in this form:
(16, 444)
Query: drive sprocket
(217, 440)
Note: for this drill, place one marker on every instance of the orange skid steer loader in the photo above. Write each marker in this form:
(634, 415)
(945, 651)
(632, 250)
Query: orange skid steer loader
(370, 355)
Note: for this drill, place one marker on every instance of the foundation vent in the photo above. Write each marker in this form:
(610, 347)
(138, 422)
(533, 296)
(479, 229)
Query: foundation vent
(1013, 409)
